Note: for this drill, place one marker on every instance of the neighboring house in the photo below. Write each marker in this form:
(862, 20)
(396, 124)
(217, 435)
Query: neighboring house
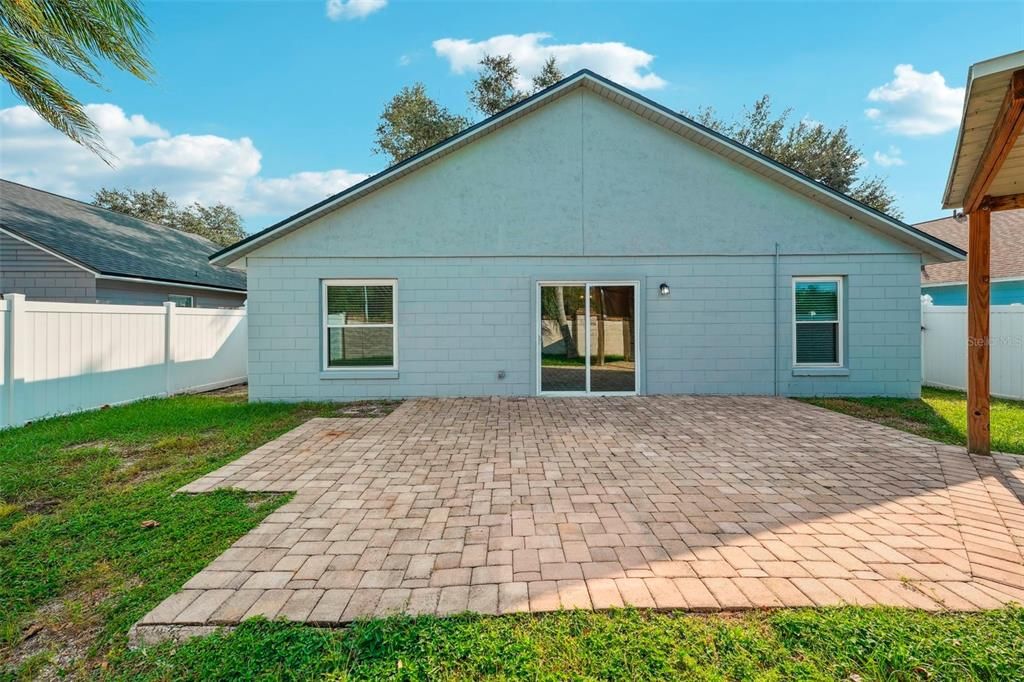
(946, 283)
(668, 258)
(57, 249)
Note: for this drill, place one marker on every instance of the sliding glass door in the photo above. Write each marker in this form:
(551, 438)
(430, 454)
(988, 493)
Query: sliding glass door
(588, 338)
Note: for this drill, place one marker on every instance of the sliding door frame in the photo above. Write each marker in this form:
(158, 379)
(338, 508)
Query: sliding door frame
(539, 331)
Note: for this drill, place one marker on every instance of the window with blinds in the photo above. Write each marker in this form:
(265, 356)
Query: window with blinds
(359, 324)
(818, 321)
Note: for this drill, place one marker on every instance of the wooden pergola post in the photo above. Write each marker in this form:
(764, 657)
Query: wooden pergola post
(978, 321)
(979, 202)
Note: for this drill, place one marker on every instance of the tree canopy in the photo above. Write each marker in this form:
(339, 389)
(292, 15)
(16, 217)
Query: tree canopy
(37, 36)
(219, 223)
(412, 121)
(821, 153)
(495, 89)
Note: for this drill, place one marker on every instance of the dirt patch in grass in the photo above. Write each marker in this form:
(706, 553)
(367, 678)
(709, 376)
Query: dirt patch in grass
(144, 461)
(367, 408)
(106, 445)
(256, 500)
(64, 629)
(44, 506)
(237, 391)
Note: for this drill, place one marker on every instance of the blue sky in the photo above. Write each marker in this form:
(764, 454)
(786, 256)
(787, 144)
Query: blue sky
(270, 106)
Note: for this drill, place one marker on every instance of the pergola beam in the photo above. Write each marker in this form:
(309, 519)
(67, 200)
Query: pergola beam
(1007, 202)
(1007, 128)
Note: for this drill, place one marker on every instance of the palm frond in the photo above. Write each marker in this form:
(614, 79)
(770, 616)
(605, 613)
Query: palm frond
(75, 35)
(21, 67)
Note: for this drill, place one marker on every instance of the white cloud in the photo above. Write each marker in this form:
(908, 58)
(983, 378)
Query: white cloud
(204, 168)
(617, 61)
(915, 103)
(340, 10)
(298, 190)
(893, 157)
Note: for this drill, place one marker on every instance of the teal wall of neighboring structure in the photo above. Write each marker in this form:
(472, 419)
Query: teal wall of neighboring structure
(1003, 293)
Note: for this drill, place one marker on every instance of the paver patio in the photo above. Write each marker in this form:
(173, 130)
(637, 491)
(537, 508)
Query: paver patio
(701, 503)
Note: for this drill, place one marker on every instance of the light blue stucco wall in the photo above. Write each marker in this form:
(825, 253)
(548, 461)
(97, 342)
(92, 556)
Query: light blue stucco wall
(583, 189)
(1002, 293)
(462, 320)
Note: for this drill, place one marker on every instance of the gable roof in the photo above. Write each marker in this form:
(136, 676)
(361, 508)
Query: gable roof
(1007, 248)
(109, 243)
(935, 249)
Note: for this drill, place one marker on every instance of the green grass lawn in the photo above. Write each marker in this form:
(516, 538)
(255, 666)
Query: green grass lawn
(78, 568)
(940, 415)
(829, 644)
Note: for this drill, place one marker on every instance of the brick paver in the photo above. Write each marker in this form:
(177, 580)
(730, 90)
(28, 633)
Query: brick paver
(504, 505)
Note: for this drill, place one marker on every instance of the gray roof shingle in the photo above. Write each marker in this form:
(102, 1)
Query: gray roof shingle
(111, 243)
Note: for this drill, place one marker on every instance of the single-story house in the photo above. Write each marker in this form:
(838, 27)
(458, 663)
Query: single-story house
(946, 283)
(53, 248)
(586, 241)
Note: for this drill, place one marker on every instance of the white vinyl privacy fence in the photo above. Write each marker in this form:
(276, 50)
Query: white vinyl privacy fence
(66, 357)
(944, 348)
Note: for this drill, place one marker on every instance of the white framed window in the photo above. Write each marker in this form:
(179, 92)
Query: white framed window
(817, 321)
(359, 330)
(181, 301)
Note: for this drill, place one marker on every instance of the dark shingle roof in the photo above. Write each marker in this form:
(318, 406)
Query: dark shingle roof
(1007, 259)
(111, 243)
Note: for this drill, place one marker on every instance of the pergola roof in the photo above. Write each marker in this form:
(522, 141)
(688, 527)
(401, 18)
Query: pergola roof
(989, 158)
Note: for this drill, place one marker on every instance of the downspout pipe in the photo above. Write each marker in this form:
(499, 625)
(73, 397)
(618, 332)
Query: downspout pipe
(775, 319)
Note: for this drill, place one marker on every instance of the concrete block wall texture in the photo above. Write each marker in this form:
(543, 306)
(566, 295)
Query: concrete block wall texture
(462, 320)
(583, 189)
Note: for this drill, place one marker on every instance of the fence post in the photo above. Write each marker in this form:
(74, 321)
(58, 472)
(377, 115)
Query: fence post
(925, 307)
(168, 346)
(15, 310)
